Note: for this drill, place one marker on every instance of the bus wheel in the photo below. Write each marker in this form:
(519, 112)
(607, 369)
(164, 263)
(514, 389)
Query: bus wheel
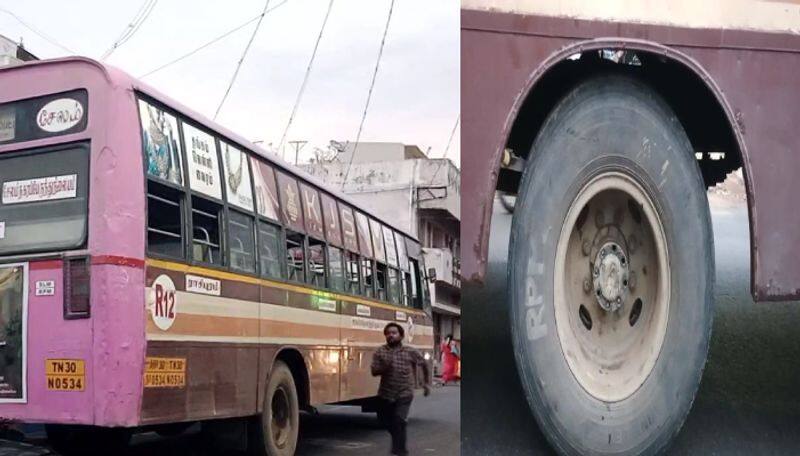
(280, 419)
(611, 272)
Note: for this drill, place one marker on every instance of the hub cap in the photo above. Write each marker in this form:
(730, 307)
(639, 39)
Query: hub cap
(611, 286)
(610, 276)
(280, 424)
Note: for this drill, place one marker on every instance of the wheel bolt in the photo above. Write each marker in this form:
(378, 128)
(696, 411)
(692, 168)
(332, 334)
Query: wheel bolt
(587, 285)
(587, 248)
(596, 271)
(603, 253)
(599, 219)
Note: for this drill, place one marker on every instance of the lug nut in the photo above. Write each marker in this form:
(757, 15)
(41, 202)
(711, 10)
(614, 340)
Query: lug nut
(596, 271)
(587, 285)
(587, 248)
(599, 219)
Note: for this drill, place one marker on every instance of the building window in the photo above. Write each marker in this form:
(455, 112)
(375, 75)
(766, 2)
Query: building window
(242, 242)
(393, 289)
(335, 268)
(380, 281)
(269, 242)
(295, 258)
(164, 220)
(367, 278)
(205, 231)
(352, 273)
(316, 262)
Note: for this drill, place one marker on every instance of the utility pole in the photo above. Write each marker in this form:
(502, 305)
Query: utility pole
(297, 146)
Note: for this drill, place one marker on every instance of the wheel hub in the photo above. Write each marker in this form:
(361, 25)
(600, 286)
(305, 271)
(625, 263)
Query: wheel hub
(611, 270)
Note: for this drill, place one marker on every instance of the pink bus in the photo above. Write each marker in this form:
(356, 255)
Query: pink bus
(158, 270)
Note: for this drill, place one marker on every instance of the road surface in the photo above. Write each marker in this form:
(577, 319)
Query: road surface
(748, 401)
(434, 429)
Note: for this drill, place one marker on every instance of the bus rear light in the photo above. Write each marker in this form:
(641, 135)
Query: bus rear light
(76, 288)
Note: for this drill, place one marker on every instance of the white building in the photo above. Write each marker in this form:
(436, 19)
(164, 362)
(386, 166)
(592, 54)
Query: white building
(12, 53)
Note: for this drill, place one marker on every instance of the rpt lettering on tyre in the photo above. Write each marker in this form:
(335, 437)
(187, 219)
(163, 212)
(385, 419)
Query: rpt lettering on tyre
(162, 302)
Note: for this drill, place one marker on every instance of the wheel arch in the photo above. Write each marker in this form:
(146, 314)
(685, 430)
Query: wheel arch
(698, 102)
(294, 359)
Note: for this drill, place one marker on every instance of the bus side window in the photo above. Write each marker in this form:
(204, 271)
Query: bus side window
(316, 262)
(394, 286)
(164, 220)
(366, 274)
(416, 284)
(205, 231)
(242, 242)
(335, 268)
(269, 243)
(405, 288)
(380, 281)
(295, 258)
(352, 273)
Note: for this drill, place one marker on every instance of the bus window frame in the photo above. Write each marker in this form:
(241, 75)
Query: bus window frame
(85, 144)
(346, 260)
(179, 188)
(254, 228)
(181, 215)
(222, 202)
(308, 259)
(186, 194)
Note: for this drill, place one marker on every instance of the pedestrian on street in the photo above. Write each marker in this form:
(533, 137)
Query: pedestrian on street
(450, 359)
(396, 364)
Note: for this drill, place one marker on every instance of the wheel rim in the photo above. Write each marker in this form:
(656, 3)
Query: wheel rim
(280, 421)
(611, 286)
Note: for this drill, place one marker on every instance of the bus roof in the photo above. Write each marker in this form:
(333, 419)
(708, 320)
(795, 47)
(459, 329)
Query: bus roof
(117, 77)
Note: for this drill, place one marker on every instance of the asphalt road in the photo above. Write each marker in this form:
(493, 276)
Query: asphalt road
(434, 429)
(748, 401)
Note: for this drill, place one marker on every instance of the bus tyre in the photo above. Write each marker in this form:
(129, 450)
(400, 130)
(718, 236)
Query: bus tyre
(611, 272)
(279, 422)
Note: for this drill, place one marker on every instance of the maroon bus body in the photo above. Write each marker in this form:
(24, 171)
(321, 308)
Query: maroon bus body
(753, 75)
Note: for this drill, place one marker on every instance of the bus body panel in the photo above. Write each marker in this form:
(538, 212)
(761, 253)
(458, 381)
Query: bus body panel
(229, 339)
(753, 75)
(110, 342)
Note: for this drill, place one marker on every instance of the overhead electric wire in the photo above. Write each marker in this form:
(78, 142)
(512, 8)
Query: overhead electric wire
(141, 16)
(444, 155)
(41, 34)
(241, 59)
(194, 51)
(369, 93)
(305, 78)
(209, 43)
(452, 133)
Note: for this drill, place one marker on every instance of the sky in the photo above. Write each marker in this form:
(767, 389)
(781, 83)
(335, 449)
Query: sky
(415, 99)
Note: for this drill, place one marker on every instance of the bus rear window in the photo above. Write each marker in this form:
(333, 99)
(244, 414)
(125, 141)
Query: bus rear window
(44, 200)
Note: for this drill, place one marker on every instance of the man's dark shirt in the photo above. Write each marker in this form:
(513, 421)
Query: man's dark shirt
(397, 368)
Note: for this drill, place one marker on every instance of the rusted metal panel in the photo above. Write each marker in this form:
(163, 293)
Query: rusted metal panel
(752, 74)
